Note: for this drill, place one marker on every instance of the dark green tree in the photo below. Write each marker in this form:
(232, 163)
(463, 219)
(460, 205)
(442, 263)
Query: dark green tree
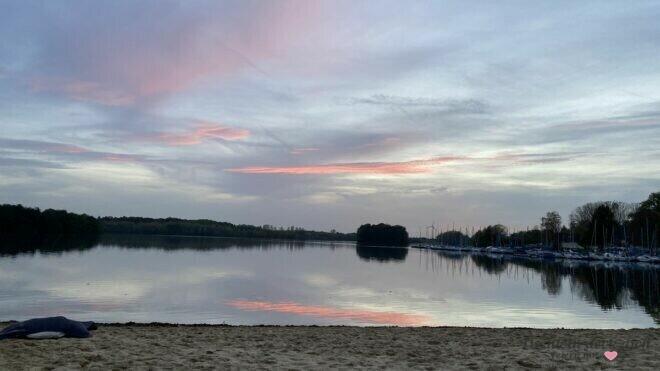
(644, 223)
(603, 223)
(492, 235)
(382, 235)
(454, 238)
(551, 224)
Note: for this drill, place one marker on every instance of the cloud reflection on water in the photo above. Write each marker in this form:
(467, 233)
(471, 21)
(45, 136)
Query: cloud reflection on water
(193, 280)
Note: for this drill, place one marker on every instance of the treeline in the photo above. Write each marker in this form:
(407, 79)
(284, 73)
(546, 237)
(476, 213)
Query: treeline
(595, 224)
(382, 235)
(24, 227)
(205, 227)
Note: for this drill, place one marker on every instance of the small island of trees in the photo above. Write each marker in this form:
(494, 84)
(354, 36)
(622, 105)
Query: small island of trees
(382, 235)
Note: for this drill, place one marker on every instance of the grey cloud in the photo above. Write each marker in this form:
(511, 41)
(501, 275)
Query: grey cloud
(465, 106)
(29, 163)
(65, 152)
(591, 129)
(540, 158)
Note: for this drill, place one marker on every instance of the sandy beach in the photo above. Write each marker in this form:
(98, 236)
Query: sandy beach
(159, 346)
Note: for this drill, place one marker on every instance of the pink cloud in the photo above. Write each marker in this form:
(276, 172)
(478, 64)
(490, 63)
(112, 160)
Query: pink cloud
(405, 167)
(204, 131)
(369, 316)
(82, 91)
(137, 61)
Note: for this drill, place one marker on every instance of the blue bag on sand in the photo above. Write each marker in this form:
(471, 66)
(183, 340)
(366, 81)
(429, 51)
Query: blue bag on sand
(48, 328)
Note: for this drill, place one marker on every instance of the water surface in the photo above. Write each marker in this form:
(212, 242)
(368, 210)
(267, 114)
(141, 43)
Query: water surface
(212, 280)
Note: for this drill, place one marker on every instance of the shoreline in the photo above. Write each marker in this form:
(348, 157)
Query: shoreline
(201, 346)
(6, 322)
(264, 325)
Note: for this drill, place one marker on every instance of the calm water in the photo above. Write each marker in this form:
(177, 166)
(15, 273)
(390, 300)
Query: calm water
(206, 280)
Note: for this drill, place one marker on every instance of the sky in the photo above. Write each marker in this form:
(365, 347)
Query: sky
(329, 114)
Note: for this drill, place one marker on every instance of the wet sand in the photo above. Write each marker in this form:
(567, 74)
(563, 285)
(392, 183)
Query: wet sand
(161, 346)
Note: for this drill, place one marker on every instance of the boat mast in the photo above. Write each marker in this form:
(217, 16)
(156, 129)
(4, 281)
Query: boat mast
(648, 241)
(593, 234)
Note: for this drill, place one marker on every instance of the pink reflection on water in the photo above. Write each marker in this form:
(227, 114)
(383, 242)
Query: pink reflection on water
(362, 315)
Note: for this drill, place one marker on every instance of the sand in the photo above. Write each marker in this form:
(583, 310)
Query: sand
(162, 346)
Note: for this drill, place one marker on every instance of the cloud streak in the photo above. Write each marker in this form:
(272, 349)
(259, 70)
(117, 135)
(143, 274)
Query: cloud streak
(81, 91)
(303, 150)
(383, 168)
(66, 152)
(204, 131)
(466, 106)
(406, 167)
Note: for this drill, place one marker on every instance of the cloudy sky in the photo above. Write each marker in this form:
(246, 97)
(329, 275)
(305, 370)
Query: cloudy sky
(328, 114)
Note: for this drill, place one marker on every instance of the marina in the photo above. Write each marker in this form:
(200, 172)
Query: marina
(612, 255)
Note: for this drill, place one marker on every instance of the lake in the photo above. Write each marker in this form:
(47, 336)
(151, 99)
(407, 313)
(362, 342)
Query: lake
(233, 281)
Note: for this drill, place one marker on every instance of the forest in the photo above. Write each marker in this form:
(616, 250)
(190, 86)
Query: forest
(205, 227)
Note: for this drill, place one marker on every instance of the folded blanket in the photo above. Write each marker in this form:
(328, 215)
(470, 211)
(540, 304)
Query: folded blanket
(48, 328)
